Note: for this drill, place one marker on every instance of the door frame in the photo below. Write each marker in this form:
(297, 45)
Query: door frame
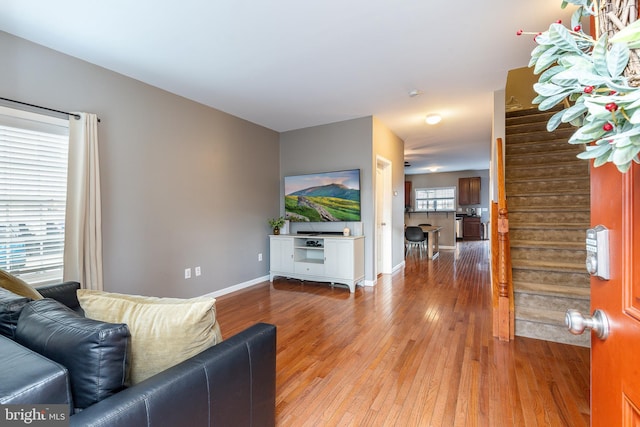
(383, 214)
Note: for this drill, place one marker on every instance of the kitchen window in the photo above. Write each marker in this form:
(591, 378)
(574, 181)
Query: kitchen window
(435, 199)
(33, 190)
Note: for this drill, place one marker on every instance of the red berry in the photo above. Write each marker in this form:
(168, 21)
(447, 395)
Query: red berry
(607, 127)
(559, 21)
(613, 92)
(612, 106)
(588, 89)
(519, 32)
(536, 36)
(577, 28)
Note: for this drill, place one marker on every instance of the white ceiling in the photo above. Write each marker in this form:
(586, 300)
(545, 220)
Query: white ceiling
(290, 64)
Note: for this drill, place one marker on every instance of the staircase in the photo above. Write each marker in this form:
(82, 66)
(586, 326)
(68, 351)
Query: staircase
(548, 197)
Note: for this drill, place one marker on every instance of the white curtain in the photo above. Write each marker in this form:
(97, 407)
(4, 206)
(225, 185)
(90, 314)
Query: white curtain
(83, 224)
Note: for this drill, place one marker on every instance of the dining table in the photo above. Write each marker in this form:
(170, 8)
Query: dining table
(432, 233)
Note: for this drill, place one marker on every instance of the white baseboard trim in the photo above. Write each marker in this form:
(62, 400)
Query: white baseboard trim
(238, 287)
(372, 283)
(247, 284)
(399, 267)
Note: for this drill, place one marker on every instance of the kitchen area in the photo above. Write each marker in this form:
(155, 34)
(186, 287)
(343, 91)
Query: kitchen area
(469, 225)
(462, 217)
(469, 221)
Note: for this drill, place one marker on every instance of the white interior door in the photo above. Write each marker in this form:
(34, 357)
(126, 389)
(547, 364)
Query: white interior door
(384, 227)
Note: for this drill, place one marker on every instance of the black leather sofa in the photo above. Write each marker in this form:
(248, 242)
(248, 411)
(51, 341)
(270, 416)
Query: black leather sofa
(229, 384)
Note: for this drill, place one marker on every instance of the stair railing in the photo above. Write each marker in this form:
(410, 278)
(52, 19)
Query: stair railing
(502, 283)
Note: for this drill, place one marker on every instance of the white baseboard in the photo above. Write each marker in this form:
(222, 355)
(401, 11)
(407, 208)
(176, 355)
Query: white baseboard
(238, 287)
(399, 267)
(247, 284)
(372, 283)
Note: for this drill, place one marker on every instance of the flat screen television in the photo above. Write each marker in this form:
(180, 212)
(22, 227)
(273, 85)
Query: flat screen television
(323, 197)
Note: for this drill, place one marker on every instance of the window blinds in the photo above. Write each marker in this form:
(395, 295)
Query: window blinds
(33, 183)
(435, 199)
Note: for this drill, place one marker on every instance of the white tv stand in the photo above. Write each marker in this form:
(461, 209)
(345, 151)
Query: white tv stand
(318, 258)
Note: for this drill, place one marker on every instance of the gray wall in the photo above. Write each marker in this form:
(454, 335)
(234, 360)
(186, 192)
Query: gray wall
(497, 131)
(346, 145)
(183, 185)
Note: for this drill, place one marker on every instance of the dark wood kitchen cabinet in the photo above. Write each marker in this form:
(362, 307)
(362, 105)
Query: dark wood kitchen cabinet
(469, 191)
(472, 228)
(407, 195)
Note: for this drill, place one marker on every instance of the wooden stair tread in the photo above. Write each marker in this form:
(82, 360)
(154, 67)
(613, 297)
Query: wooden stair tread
(545, 192)
(547, 226)
(547, 179)
(554, 163)
(550, 208)
(531, 209)
(510, 143)
(569, 150)
(573, 161)
(547, 244)
(532, 111)
(577, 292)
(569, 267)
(549, 332)
(551, 317)
(532, 141)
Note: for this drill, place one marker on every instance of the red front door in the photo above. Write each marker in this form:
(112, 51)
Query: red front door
(615, 361)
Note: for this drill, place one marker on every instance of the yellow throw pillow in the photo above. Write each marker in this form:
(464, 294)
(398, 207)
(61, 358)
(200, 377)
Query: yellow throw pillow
(18, 286)
(164, 331)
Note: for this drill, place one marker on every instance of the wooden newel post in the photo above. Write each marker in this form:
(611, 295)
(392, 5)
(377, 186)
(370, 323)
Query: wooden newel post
(503, 318)
(504, 304)
(503, 242)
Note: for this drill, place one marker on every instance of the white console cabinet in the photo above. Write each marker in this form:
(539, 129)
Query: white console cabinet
(321, 258)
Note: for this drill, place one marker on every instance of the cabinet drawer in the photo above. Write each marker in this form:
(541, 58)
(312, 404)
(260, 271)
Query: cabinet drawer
(309, 268)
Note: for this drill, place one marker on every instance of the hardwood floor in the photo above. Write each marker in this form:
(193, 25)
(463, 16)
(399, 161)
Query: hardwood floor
(415, 350)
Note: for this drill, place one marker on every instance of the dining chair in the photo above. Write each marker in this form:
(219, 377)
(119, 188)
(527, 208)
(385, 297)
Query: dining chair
(414, 237)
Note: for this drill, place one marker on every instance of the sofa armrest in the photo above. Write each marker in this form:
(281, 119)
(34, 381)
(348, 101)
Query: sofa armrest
(231, 383)
(64, 292)
(29, 378)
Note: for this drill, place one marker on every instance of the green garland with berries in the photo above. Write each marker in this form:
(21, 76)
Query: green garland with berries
(587, 76)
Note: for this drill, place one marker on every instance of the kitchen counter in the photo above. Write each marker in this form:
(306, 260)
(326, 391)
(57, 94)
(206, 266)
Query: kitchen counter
(444, 219)
(430, 212)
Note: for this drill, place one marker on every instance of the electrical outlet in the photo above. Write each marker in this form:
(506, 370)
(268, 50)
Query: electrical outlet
(187, 273)
(198, 271)
(260, 257)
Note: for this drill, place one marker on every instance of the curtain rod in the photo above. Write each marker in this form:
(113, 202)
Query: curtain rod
(77, 116)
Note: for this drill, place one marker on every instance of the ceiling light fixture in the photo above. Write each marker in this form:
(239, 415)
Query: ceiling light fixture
(433, 119)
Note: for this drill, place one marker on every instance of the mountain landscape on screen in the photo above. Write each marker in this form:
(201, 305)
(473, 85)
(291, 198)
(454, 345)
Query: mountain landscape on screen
(330, 196)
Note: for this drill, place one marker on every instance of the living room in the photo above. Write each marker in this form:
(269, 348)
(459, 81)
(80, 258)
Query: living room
(185, 185)
(189, 174)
